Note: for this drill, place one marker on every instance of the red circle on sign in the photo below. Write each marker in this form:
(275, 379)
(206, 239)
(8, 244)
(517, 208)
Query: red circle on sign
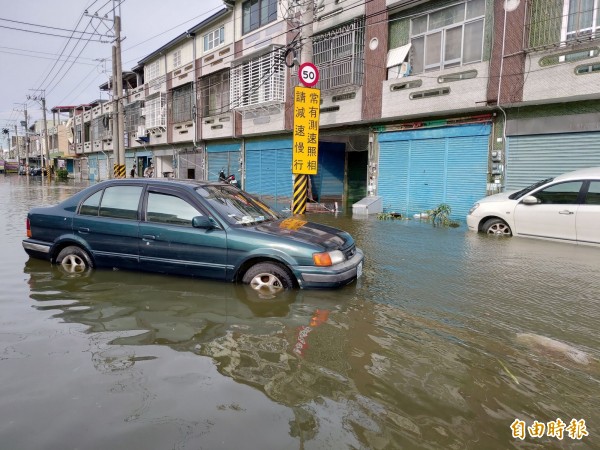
(308, 74)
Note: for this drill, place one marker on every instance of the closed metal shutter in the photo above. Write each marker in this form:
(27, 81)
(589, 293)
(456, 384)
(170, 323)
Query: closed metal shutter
(420, 169)
(102, 170)
(533, 158)
(269, 171)
(223, 156)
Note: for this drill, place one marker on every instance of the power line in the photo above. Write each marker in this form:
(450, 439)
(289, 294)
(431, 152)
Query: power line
(43, 26)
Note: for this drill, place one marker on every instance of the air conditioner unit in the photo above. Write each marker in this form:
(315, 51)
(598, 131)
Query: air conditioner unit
(141, 131)
(142, 112)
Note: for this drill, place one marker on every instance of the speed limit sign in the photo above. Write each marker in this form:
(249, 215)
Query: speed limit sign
(308, 74)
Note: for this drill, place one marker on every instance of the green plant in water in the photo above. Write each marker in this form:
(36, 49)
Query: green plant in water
(388, 216)
(62, 174)
(440, 216)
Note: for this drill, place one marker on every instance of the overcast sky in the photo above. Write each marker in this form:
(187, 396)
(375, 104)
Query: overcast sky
(29, 60)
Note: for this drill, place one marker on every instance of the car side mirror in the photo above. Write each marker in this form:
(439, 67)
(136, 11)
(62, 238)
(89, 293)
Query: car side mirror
(202, 222)
(530, 200)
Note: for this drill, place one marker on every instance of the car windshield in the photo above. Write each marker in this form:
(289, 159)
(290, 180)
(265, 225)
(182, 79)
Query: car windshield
(517, 195)
(236, 206)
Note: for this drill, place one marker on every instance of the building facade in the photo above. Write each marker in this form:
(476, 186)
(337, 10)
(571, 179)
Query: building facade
(422, 102)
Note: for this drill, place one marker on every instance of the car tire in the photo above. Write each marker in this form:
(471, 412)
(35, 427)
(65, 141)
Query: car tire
(497, 227)
(268, 278)
(74, 259)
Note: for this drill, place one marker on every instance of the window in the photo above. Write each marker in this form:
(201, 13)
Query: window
(256, 13)
(582, 18)
(164, 208)
(181, 103)
(258, 81)
(339, 55)
(152, 71)
(215, 93)
(593, 194)
(560, 194)
(133, 116)
(90, 206)
(214, 39)
(101, 128)
(177, 59)
(155, 111)
(448, 37)
(119, 202)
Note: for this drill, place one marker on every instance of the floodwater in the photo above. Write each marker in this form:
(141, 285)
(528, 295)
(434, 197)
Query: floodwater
(447, 339)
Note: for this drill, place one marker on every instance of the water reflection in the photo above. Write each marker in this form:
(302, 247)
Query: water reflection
(354, 373)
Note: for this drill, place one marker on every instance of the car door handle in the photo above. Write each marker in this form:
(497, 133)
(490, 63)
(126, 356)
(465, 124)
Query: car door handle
(566, 211)
(149, 237)
(84, 230)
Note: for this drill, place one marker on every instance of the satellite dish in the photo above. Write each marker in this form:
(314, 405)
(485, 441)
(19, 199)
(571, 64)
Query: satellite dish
(511, 5)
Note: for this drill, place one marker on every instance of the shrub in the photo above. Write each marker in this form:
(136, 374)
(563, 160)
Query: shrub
(440, 216)
(62, 174)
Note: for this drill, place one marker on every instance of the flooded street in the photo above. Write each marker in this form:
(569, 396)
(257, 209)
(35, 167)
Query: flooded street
(444, 342)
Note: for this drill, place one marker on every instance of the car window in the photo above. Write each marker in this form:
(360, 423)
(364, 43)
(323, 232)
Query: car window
(90, 206)
(517, 195)
(165, 208)
(593, 194)
(560, 194)
(236, 206)
(121, 202)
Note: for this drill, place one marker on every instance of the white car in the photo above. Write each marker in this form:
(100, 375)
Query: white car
(564, 208)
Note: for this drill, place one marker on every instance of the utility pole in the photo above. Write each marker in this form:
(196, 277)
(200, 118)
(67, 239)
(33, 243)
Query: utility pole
(118, 131)
(121, 108)
(26, 138)
(42, 98)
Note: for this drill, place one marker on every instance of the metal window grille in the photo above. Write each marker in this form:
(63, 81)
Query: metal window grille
(259, 81)
(78, 134)
(155, 111)
(181, 103)
(549, 26)
(133, 116)
(101, 127)
(215, 93)
(339, 54)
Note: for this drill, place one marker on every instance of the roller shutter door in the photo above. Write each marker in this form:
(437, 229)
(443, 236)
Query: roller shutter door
(536, 157)
(420, 169)
(269, 171)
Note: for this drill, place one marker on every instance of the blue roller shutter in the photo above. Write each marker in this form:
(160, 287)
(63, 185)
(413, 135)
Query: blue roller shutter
(419, 169)
(268, 171)
(223, 156)
(536, 157)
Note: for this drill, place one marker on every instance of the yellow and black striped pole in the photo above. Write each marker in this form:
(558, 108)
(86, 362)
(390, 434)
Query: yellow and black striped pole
(300, 193)
(119, 171)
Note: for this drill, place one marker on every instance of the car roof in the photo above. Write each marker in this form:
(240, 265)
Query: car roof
(587, 173)
(164, 181)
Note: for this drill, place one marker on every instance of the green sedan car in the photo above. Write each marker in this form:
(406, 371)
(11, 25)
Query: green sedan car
(185, 227)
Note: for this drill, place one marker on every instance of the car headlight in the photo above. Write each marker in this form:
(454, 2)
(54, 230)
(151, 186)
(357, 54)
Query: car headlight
(473, 208)
(328, 258)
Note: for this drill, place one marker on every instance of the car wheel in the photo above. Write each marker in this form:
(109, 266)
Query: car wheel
(74, 259)
(497, 227)
(268, 279)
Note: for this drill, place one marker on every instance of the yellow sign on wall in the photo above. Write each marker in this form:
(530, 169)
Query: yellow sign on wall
(305, 151)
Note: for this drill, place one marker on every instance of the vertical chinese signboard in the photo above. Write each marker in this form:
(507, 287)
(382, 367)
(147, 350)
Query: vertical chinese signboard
(307, 102)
